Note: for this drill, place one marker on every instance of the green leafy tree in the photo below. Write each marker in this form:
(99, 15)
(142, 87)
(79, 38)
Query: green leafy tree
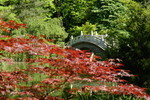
(135, 49)
(74, 12)
(37, 14)
(102, 13)
(6, 10)
(105, 13)
(86, 28)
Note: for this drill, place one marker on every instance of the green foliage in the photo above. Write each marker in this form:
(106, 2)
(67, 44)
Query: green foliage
(135, 48)
(107, 15)
(85, 28)
(103, 96)
(6, 11)
(37, 14)
(74, 12)
(12, 66)
(51, 28)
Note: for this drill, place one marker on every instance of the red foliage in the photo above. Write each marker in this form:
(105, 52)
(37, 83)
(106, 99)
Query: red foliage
(7, 26)
(121, 89)
(60, 65)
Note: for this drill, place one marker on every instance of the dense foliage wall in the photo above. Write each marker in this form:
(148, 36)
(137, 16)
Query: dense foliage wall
(134, 47)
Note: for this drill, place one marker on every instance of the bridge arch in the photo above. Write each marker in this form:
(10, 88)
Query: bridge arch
(90, 47)
(94, 43)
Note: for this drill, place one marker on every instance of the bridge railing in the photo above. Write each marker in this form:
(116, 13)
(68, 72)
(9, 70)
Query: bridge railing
(98, 40)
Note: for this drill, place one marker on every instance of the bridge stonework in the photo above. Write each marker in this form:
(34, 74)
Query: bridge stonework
(93, 43)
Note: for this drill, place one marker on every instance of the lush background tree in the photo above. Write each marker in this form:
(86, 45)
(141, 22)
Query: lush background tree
(135, 49)
(37, 14)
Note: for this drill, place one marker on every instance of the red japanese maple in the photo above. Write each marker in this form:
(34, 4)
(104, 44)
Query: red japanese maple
(60, 65)
(7, 26)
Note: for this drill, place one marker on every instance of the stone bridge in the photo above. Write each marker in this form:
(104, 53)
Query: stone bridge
(93, 43)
